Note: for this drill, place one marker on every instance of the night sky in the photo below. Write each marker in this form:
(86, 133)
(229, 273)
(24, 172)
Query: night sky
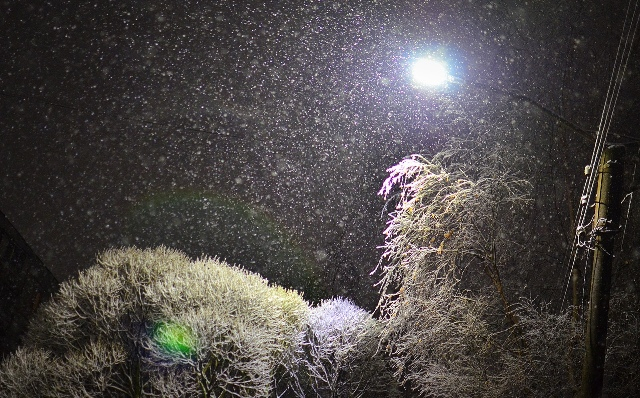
(255, 130)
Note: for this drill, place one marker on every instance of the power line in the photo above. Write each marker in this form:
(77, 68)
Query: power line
(625, 46)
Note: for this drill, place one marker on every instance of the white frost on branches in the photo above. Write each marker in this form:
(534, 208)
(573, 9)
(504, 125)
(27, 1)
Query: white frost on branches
(154, 323)
(339, 353)
(449, 325)
(95, 338)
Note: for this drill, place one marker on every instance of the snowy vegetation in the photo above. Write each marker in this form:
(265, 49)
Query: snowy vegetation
(339, 354)
(449, 323)
(155, 323)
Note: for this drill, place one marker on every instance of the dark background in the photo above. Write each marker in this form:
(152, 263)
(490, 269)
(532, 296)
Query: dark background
(261, 131)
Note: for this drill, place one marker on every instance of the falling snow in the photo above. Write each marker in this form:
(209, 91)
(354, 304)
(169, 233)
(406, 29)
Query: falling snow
(294, 109)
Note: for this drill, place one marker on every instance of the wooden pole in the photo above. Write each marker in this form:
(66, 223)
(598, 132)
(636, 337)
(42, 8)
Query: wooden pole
(606, 224)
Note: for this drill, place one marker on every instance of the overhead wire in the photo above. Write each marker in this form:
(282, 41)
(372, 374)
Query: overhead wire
(606, 119)
(613, 91)
(630, 196)
(623, 52)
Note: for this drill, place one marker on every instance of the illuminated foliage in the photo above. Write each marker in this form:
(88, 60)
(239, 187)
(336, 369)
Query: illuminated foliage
(339, 353)
(450, 324)
(155, 323)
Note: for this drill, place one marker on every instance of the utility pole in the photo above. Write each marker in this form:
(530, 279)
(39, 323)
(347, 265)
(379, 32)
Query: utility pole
(606, 224)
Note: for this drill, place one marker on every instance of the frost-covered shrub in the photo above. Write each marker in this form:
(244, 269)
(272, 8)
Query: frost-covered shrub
(27, 373)
(622, 367)
(338, 354)
(546, 361)
(449, 323)
(154, 323)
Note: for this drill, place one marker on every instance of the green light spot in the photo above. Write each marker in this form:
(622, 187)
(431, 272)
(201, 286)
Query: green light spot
(175, 339)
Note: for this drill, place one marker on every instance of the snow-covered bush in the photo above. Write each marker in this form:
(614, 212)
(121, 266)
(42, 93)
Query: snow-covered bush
(546, 361)
(155, 323)
(338, 354)
(622, 367)
(450, 325)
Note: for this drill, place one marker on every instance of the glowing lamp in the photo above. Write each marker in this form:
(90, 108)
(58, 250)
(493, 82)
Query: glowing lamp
(429, 72)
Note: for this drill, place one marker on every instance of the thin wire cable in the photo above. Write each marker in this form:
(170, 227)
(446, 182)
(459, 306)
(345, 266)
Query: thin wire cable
(626, 219)
(613, 91)
(619, 78)
(603, 130)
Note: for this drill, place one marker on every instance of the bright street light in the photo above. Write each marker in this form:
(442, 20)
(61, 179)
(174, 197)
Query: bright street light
(434, 73)
(430, 72)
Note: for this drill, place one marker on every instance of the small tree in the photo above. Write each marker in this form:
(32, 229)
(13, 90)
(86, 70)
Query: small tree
(338, 355)
(453, 219)
(154, 323)
(449, 322)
